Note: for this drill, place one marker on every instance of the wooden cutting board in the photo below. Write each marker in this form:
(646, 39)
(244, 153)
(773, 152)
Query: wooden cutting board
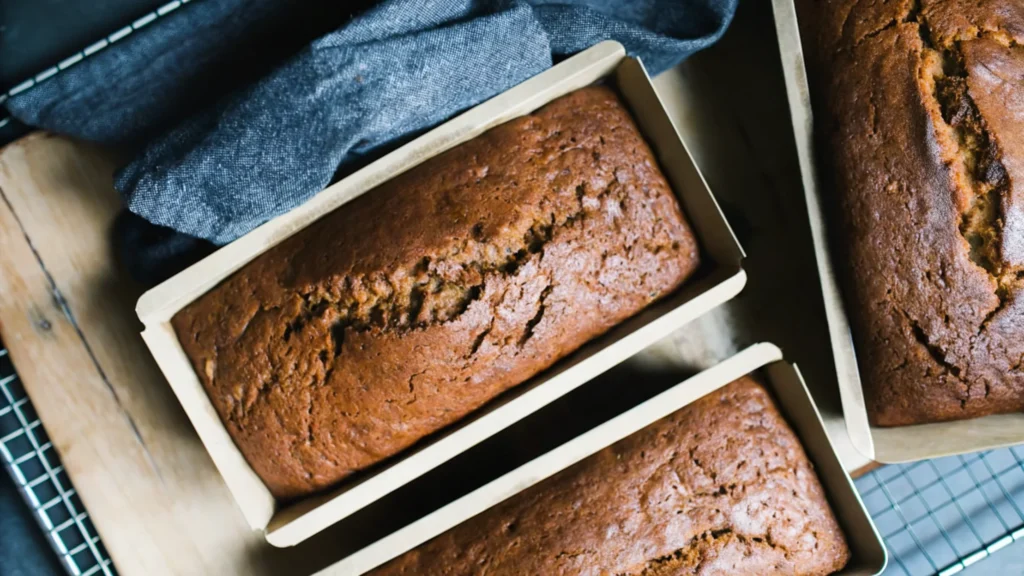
(67, 318)
(67, 315)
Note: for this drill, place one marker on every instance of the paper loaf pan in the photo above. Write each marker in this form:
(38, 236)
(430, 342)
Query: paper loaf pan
(719, 279)
(888, 445)
(792, 398)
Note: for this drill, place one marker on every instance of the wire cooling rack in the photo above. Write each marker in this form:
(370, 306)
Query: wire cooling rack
(33, 463)
(941, 516)
(936, 516)
(139, 23)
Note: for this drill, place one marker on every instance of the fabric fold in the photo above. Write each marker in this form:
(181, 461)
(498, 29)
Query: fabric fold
(235, 120)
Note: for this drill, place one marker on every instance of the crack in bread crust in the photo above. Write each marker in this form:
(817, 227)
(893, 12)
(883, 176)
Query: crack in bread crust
(429, 294)
(419, 302)
(923, 102)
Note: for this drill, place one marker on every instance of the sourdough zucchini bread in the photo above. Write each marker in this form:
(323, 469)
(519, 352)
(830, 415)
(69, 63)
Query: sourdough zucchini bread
(721, 486)
(920, 112)
(420, 301)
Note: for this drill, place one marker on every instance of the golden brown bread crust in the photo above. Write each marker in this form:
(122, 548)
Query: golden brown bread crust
(920, 109)
(420, 301)
(721, 486)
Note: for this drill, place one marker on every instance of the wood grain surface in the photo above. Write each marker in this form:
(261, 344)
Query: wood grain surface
(67, 318)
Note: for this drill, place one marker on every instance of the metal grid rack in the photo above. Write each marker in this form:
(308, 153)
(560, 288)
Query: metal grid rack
(33, 463)
(941, 516)
(89, 50)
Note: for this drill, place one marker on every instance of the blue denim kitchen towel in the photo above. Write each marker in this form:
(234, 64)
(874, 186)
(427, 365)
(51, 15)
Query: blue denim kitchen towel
(388, 73)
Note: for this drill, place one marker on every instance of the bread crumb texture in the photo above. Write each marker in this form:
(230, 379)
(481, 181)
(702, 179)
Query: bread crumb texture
(721, 486)
(420, 301)
(920, 109)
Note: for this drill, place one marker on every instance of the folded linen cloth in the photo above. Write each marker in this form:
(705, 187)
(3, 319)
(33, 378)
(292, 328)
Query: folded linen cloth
(224, 145)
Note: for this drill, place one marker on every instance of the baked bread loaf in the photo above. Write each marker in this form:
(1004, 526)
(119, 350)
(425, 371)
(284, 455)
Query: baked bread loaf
(420, 301)
(920, 113)
(721, 486)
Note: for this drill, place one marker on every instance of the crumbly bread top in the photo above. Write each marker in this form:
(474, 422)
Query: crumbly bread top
(920, 106)
(418, 302)
(721, 486)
